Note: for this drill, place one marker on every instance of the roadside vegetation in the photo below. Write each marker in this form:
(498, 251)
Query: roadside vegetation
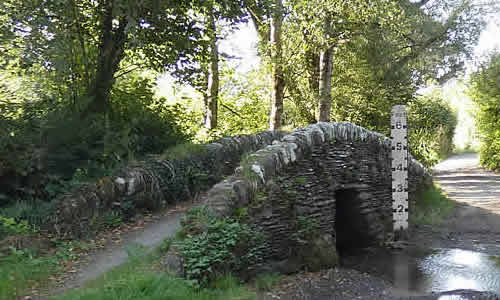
(142, 277)
(432, 206)
(432, 124)
(485, 91)
(28, 268)
(213, 260)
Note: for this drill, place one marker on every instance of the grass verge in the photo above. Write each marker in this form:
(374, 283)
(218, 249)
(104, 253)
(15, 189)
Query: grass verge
(432, 206)
(140, 279)
(28, 270)
(23, 270)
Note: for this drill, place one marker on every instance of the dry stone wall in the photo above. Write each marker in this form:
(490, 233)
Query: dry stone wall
(155, 182)
(293, 188)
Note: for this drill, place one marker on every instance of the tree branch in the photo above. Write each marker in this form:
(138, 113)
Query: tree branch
(231, 110)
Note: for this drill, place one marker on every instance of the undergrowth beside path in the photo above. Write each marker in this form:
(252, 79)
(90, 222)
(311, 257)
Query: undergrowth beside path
(140, 278)
(432, 206)
(29, 270)
(22, 270)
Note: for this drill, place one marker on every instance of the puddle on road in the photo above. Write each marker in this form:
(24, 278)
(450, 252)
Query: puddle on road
(425, 271)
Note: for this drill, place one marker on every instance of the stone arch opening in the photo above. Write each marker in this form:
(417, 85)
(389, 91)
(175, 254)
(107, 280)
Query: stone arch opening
(351, 225)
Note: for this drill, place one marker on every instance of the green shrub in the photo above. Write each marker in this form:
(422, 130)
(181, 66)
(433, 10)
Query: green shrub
(431, 123)
(9, 226)
(432, 206)
(214, 246)
(165, 245)
(35, 214)
(47, 147)
(485, 91)
(306, 228)
(135, 279)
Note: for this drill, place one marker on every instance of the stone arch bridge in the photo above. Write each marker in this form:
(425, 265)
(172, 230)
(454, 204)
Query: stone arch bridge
(333, 177)
(336, 176)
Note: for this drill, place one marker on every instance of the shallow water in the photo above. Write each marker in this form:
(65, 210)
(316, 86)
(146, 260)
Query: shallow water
(416, 271)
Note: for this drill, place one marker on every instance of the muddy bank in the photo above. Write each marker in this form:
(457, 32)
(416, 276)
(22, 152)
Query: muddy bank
(345, 284)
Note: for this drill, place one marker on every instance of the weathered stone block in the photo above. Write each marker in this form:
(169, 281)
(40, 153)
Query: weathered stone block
(320, 253)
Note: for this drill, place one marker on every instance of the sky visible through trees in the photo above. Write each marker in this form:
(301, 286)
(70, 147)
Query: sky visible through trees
(243, 43)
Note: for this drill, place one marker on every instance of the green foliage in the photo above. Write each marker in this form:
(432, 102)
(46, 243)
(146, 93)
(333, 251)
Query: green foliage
(431, 124)
(50, 74)
(165, 245)
(10, 226)
(151, 125)
(106, 221)
(35, 214)
(22, 268)
(54, 149)
(135, 279)
(432, 206)
(485, 91)
(266, 281)
(148, 286)
(245, 104)
(214, 246)
(306, 229)
(383, 52)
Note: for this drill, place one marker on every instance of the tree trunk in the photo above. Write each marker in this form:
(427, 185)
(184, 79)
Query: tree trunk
(277, 80)
(313, 62)
(325, 85)
(111, 52)
(212, 93)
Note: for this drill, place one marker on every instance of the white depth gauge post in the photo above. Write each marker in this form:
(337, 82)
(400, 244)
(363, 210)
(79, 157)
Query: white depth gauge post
(399, 136)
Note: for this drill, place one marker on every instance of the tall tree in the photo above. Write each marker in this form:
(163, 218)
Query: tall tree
(268, 17)
(216, 19)
(382, 51)
(88, 44)
(325, 77)
(212, 93)
(277, 78)
(322, 27)
(112, 39)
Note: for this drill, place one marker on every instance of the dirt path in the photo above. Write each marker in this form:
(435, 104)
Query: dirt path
(150, 235)
(475, 223)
